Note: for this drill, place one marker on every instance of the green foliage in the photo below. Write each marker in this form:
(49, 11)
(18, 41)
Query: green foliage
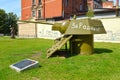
(12, 20)
(7, 20)
(90, 13)
(104, 65)
(2, 20)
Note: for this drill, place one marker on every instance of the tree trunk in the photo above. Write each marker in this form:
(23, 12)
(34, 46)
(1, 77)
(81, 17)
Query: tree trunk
(12, 33)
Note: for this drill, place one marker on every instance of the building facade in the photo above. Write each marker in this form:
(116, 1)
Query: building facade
(108, 4)
(43, 9)
(31, 9)
(94, 4)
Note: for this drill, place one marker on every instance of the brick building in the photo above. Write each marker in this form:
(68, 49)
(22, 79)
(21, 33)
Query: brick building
(43, 9)
(108, 4)
(93, 4)
(29, 8)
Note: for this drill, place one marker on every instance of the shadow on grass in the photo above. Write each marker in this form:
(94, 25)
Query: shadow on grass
(102, 50)
(61, 53)
(67, 54)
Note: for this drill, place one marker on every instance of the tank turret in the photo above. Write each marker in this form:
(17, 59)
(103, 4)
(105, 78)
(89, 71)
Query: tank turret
(79, 33)
(80, 27)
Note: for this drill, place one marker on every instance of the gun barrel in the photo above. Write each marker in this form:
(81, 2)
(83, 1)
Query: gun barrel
(62, 27)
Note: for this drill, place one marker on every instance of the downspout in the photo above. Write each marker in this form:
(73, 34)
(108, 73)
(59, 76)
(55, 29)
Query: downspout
(117, 8)
(63, 8)
(44, 8)
(36, 30)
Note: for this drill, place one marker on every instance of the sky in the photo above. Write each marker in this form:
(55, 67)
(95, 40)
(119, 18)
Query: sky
(11, 6)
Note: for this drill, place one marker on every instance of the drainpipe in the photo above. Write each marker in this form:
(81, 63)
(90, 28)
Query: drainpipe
(36, 30)
(63, 8)
(117, 8)
(44, 9)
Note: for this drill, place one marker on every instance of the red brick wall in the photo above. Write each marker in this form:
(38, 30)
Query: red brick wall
(74, 7)
(90, 4)
(26, 9)
(68, 9)
(108, 4)
(53, 8)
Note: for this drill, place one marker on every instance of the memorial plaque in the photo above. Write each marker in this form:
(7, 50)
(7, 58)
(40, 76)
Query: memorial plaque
(24, 64)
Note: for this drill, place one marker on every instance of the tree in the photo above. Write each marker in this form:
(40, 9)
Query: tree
(12, 23)
(8, 23)
(2, 20)
(90, 13)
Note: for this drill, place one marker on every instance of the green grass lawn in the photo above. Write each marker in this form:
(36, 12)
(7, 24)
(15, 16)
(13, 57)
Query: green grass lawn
(103, 65)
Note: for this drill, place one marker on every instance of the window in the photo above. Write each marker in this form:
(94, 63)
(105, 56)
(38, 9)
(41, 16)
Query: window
(81, 7)
(39, 2)
(39, 14)
(33, 2)
(66, 3)
(33, 13)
